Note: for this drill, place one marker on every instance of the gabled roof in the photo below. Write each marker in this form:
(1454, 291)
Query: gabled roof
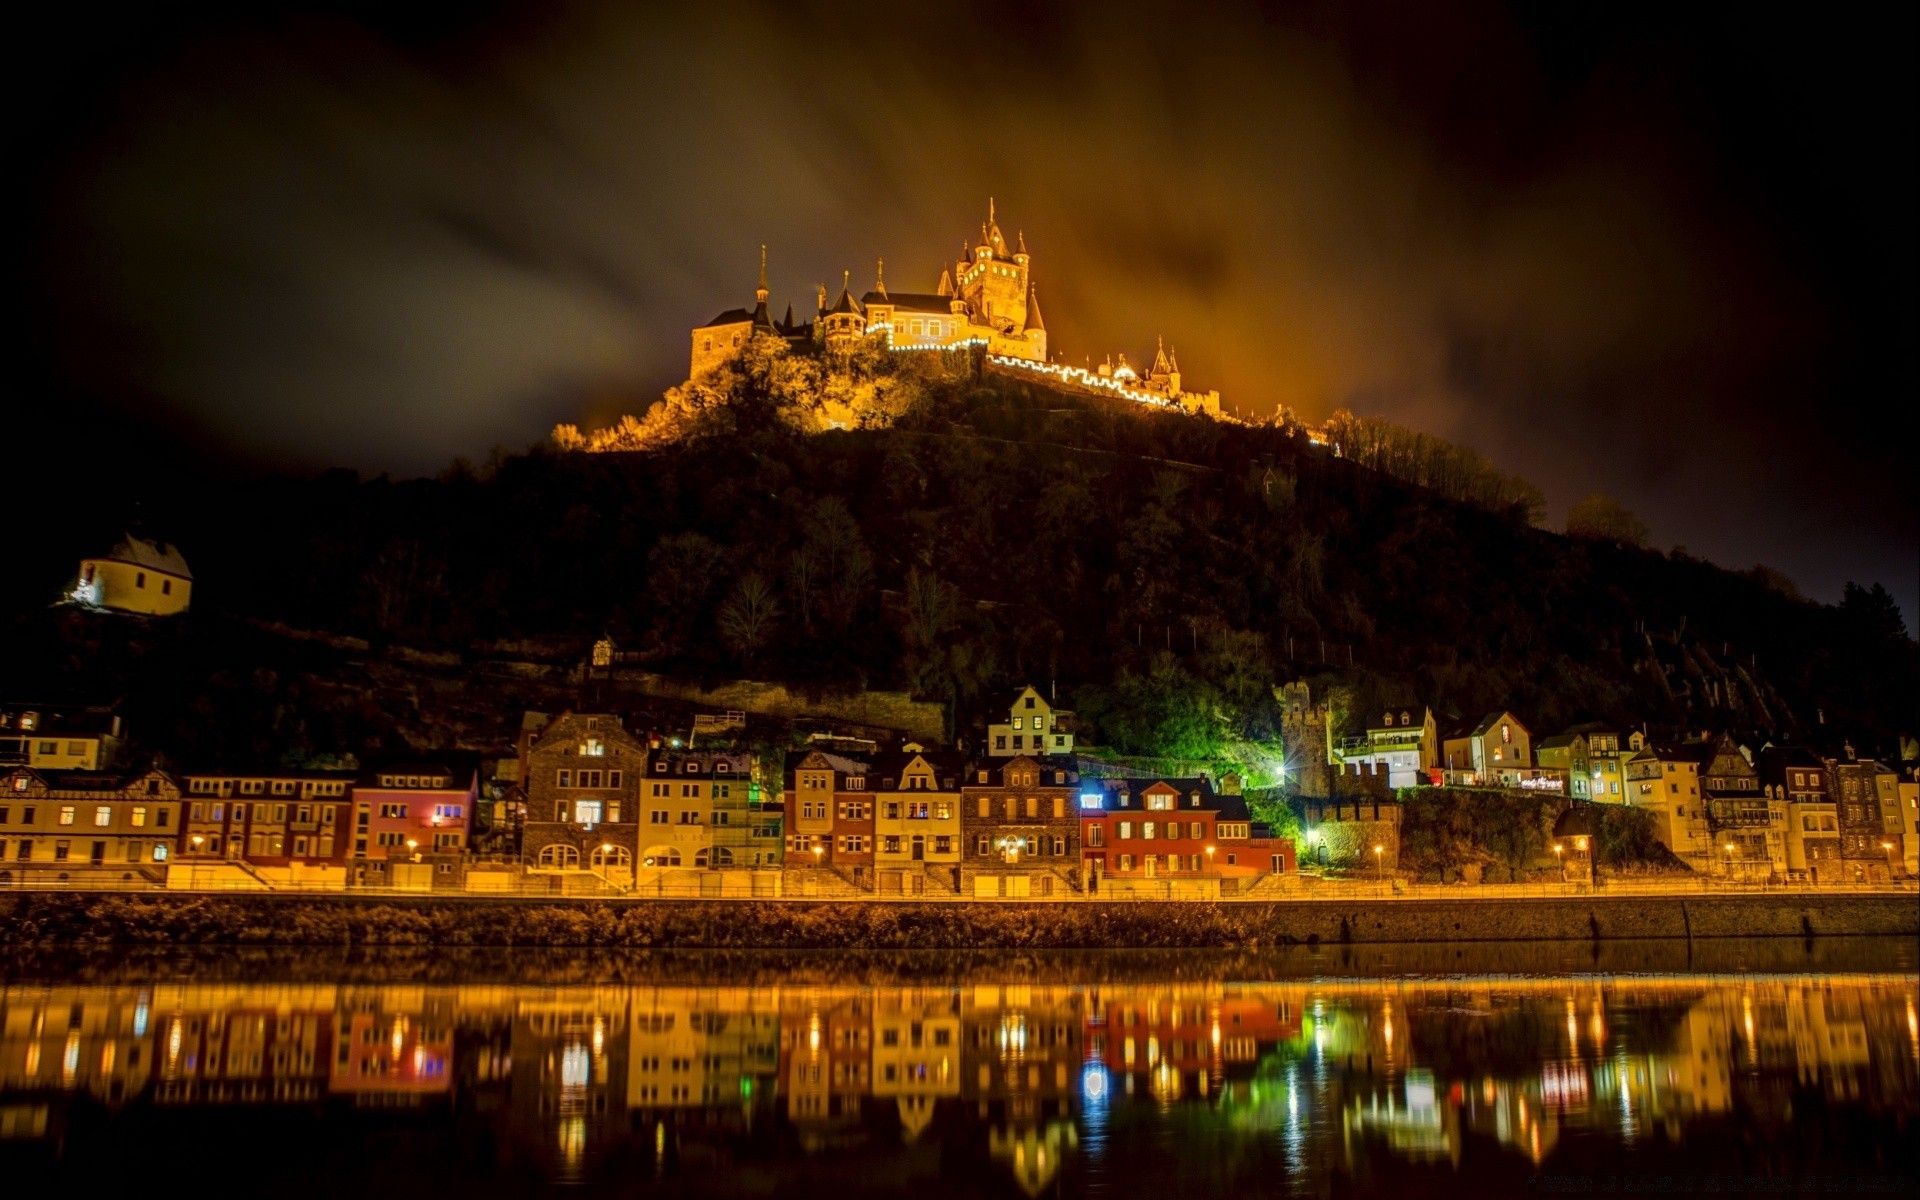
(1494, 718)
(154, 556)
(1774, 762)
(733, 316)
(1046, 764)
(1417, 711)
(1228, 808)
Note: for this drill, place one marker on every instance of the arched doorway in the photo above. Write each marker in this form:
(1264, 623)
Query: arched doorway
(559, 858)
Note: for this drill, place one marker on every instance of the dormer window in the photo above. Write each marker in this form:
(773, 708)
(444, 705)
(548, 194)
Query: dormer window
(660, 766)
(1193, 800)
(692, 768)
(722, 767)
(593, 748)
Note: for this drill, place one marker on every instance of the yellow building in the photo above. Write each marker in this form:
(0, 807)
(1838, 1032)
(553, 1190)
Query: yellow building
(69, 826)
(917, 821)
(682, 794)
(1033, 726)
(1666, 782)
(50, 737)
(136, 576)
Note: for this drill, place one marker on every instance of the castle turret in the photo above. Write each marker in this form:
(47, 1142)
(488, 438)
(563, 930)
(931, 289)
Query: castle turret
(994, 284)
(846, 322)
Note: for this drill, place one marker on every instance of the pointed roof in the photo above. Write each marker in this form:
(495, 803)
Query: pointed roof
(880, 279)
(991, 230)
(760, 292)
(1033, 310)
(946, 283)
(1020, 240)
(153, 555)
(1160, 366)
(787, 324)
(846, 303)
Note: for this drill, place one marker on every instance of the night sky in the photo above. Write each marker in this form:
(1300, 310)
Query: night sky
(1673, 262)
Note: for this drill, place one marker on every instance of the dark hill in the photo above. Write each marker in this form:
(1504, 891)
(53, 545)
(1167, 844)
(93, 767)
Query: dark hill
(1165, 570)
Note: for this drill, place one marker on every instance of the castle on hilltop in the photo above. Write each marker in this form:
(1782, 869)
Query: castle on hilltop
(985, 300)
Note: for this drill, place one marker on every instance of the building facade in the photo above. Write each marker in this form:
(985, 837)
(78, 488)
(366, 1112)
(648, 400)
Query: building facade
(829, 815)
(1497, 751)
(917, 821)
(54, 737)
(1799, 776)
(1867, 796)
(137, 576)
(73, 826)
(265, 828)
(1156, 835)
(1033, 727)
(685, 797)
(1665, 781)
(1749, 827)
(1405, 744)
(1021, 818)
(416, 812)
(582, 780)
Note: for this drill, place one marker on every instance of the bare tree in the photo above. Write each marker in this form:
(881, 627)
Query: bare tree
(748, 617)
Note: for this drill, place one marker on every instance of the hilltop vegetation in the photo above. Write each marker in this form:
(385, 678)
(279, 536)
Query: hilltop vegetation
(1163, 570)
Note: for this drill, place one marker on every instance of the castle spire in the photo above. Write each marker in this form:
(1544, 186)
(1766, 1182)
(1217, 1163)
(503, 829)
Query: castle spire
(1033, 309)
(760, 293)
(1160, 366)
(946, 283)
(1022, 238)
(880, 278)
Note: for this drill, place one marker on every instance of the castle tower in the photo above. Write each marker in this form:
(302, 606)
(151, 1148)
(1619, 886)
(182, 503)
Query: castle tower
(1036, 328)
(846, 322)
(994, 283)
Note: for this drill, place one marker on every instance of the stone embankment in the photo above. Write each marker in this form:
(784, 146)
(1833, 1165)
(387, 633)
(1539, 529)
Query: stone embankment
(46, 920)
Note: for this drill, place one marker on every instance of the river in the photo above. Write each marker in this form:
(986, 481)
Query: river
(1767, 1067)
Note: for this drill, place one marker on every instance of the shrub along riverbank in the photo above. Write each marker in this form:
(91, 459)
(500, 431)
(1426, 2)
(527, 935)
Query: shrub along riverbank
(44, 920)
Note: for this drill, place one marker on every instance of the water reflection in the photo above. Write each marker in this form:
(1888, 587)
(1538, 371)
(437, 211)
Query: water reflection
(1102, 1087)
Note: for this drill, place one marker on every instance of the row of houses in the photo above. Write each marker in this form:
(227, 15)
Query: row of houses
(1725, 809)
(404, 824)
(633, 812)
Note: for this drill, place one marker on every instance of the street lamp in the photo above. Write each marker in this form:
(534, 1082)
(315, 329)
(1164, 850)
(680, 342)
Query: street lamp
(1887, 847)
(1729, 849)
(413, 849)
(197, 842)
(1379, 870)
(818, 850)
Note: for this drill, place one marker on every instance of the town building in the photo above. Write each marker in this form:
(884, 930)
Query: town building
(1665, 781)
(150, 578)
(1594, 757)
(59, 737)
(1907, 789)
(1495, 752)
(414, 812)
(274, 827)
(1357, 827)
(84, 826)
(1156, 836)
(582, 780)
(1033, 727)
(1021, 818)
(1799, 776)
(1867, 796)
(917, 821)
(829, 816)
(685, 797)
(1405, 744)
(1749, 828)
(916, 1051)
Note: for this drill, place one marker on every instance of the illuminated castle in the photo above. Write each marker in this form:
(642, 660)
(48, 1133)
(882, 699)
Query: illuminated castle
(985, 300)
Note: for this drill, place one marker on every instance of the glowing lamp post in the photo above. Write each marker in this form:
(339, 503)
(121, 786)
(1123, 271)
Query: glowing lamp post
(1887, 848)
(1379, 867)
(818, 852)
(198, 841)
(1729, 849)
(413, 850)
(1209, 860)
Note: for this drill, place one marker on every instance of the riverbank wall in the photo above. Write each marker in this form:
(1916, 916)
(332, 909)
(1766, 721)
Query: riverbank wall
(53, 919)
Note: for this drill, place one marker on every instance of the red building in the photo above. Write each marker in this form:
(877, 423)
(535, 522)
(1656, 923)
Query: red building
(286, 826)
(829, 815)
(1160, 829)
(418, 811)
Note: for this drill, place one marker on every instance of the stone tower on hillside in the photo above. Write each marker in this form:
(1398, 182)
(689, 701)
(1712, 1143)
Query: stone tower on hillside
(1303, 729)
